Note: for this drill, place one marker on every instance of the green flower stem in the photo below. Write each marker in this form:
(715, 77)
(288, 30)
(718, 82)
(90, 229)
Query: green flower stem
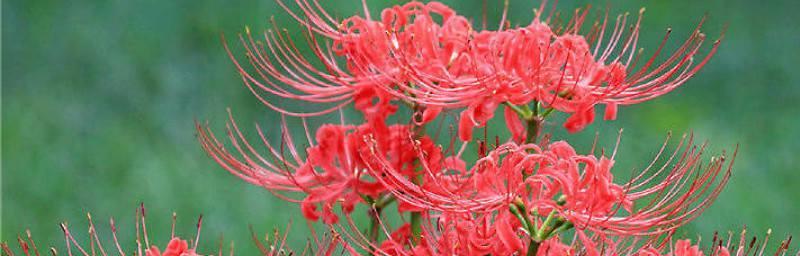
(518, 209)
(533, 117)
(547, 112)
(385, 200)
(416, 227)
(523, 111)
(534, 128)
(375, 213)
(416, 217)
(374, 225)
(533, 248)
(540, 234)
(546, 231)
(519, 213)
(561, 226)
(535, 225)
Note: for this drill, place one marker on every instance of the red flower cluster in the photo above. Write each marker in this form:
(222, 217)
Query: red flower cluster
(331, 244)
(175, 247)
(519, 193)
(579, 188)
(520, 196)
(429, 55)
(333, 171)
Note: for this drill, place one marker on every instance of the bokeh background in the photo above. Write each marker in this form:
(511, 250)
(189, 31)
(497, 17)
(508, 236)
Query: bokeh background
(100, 98)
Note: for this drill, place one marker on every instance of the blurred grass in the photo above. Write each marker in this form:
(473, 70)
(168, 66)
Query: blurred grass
(100, 98)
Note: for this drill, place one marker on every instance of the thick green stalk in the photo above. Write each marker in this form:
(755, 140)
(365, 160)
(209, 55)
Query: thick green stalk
(416, 227)
(540, 234)
(374, 225)
(533, 248)
(375, 214)
(416, 220)
(520, 213)
(416, 217)
(534, 128)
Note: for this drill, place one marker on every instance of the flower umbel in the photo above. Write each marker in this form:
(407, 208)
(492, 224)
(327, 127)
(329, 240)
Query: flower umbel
(429, 55)
(420, 69)
(418, 62)
(176, 246)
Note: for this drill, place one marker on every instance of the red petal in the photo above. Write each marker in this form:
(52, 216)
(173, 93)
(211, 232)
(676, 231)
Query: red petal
(611, 111)
(465, 127)
(514, 125)
(508, 236)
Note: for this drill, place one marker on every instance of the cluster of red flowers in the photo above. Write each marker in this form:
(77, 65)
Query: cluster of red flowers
(527, 194)
(175, 247)
(275, 245)
(427, 55)
(520, 196)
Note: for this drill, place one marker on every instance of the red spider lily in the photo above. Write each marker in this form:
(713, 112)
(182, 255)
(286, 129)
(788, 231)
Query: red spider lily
(578, 188)
(427, 54)
(450, 244)
(281, 69)
(718, 247)
(175, 247)
(489, 236)
(520, 197)
(556, 67)
(331, 172)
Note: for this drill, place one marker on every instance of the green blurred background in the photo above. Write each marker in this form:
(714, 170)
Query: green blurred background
(100, 98)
